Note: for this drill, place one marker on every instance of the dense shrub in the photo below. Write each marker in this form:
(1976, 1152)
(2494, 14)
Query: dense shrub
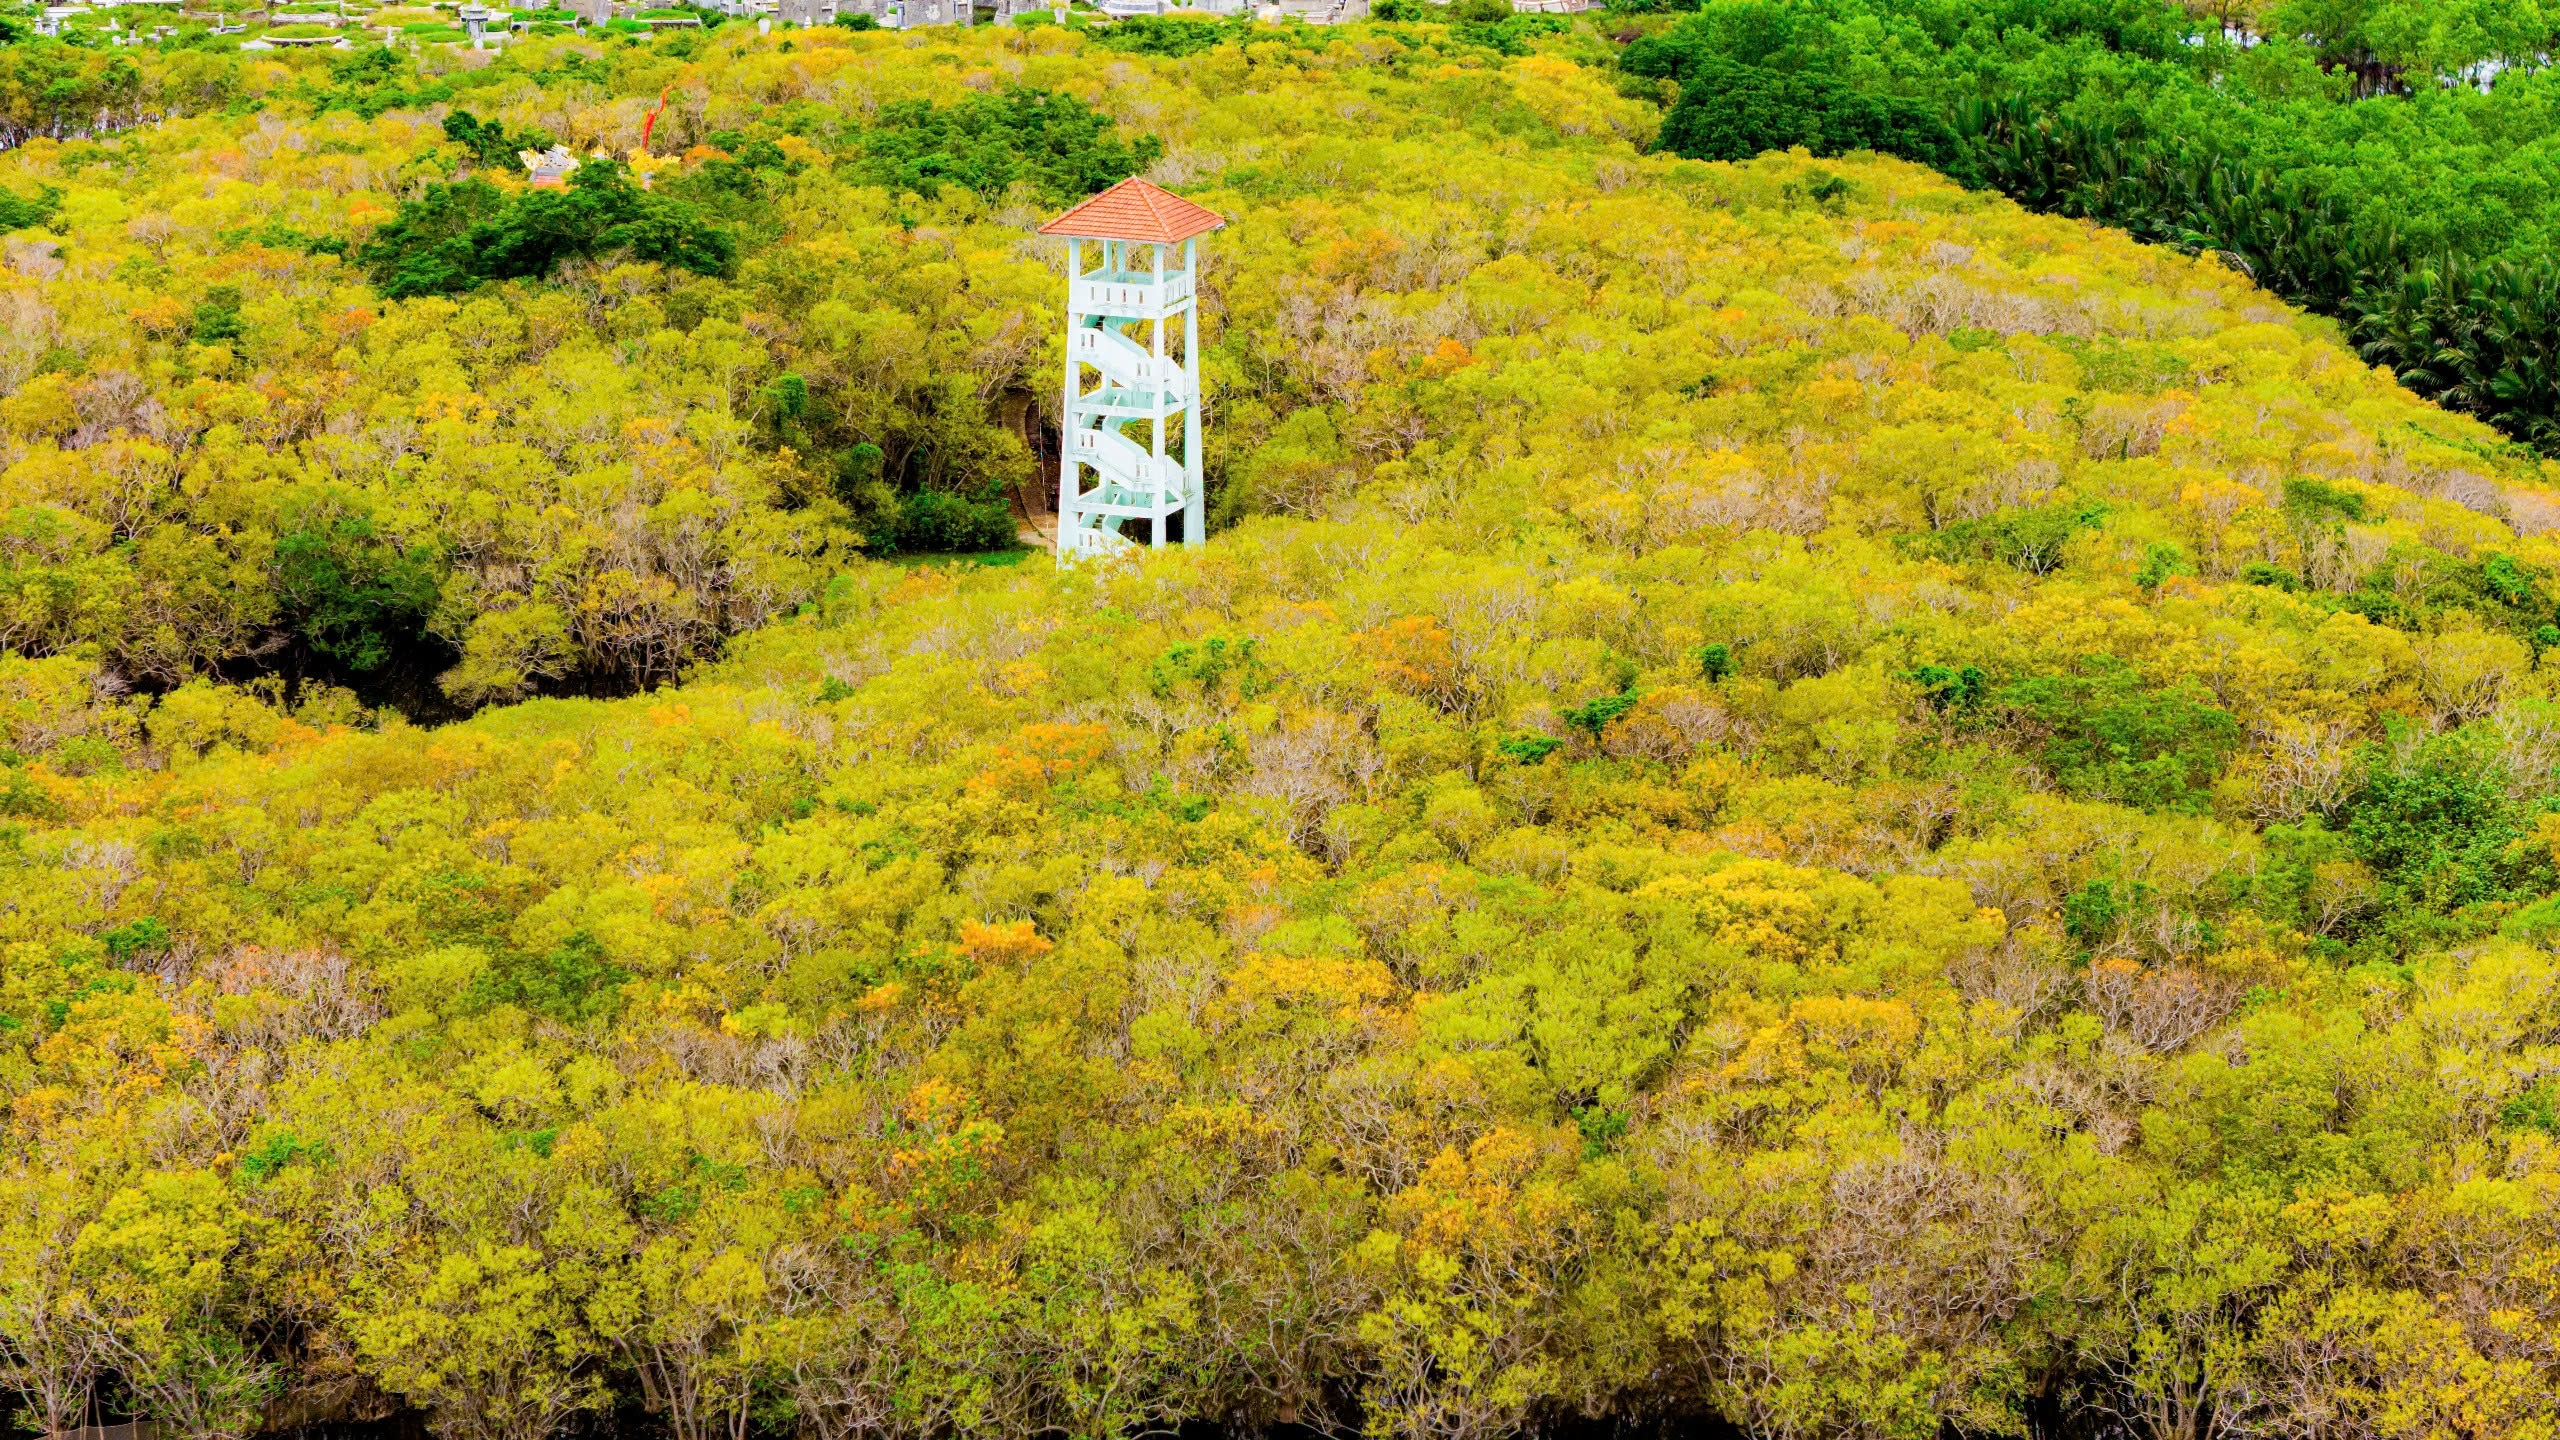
(351, 595)
(20, 212)
(489, 142)
(1176, 36)
(1733, 112)
(939, 521)
(2109, 735)
(1059, 146)
(467, 233)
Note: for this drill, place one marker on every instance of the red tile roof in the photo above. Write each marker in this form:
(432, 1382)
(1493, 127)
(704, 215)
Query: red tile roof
(1136, 210)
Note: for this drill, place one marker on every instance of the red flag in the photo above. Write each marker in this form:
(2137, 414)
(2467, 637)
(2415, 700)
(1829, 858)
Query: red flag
(652, 122)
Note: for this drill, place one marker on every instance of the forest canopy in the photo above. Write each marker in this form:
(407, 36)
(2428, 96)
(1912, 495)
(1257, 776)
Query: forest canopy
(1787, 792)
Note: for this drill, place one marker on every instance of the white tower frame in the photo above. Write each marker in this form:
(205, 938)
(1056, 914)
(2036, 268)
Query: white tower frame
(1140, 379)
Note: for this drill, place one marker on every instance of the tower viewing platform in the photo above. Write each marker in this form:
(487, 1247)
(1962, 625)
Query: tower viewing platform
(1132, 365)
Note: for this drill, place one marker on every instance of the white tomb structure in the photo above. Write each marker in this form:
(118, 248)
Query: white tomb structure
(1131, 298)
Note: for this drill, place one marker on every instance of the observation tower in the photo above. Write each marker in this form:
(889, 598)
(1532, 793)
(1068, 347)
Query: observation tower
(1115, 488)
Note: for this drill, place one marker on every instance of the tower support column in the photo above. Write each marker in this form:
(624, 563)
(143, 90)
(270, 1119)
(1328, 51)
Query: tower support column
(1195, 509)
